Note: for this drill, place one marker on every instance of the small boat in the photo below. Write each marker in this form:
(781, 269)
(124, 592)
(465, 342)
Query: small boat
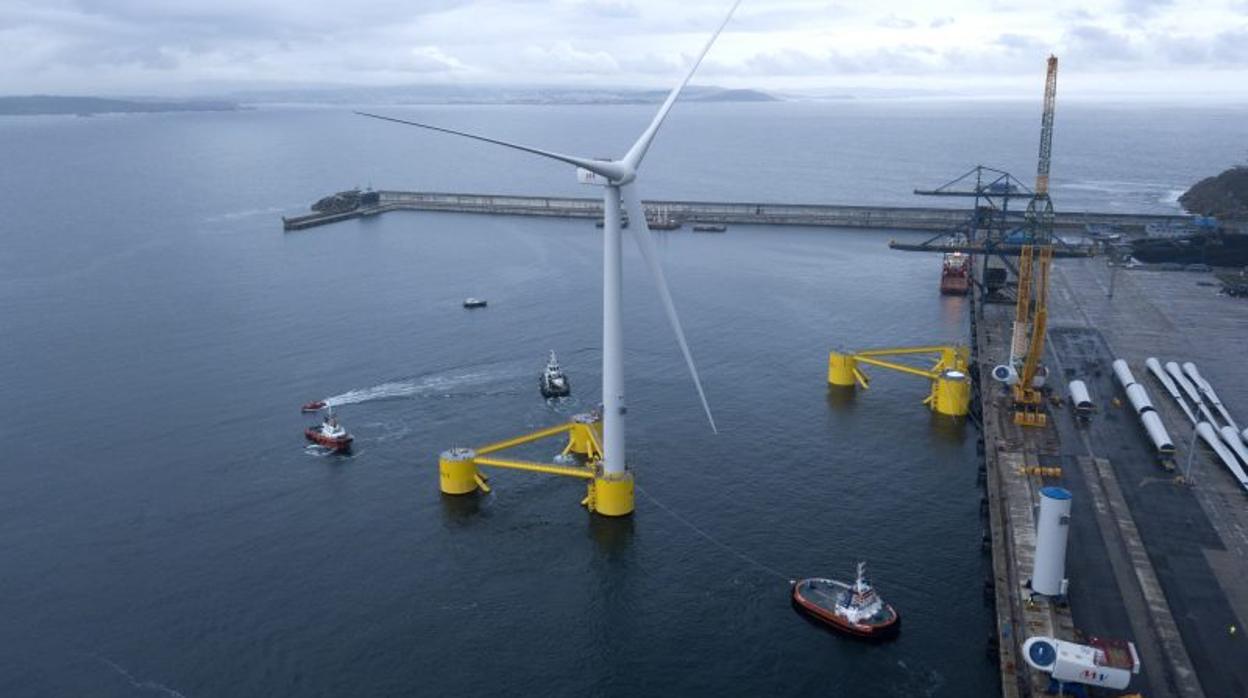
(709, 227)
(663, 220)
(553, 382)
(314, 406)
(854, 609)
(330, 434)
(474, 303)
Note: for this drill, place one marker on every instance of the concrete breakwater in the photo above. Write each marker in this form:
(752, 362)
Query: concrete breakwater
(818, 215)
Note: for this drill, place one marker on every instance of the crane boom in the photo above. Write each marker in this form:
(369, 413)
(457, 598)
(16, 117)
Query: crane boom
(1046, 129)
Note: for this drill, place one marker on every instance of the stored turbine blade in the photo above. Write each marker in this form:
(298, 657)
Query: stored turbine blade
(607, 169)
(641, 233)
(638, 151)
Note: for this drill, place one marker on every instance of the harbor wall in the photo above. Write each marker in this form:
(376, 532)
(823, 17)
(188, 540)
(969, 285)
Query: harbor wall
(760, 213)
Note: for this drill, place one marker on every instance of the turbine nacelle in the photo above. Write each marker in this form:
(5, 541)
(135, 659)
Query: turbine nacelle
(605, 173)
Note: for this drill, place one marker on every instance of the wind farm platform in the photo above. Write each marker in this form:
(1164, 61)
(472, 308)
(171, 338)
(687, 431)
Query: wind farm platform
(1152, 557)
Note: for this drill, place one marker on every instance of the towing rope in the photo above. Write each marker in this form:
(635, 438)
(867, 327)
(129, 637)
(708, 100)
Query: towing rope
(713, 539)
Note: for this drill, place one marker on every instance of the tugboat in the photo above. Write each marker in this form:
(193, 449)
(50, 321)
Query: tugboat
(854, 609)
(330, 434)
(474, 303)
(314, 406)
(552, 382)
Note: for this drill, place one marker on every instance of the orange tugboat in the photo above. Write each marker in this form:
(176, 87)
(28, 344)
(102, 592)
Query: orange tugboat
(955, 274)
(330, 434)
(854, 609)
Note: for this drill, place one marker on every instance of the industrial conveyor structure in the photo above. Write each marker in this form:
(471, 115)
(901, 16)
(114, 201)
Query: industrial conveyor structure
(951, 383)
(460, 473)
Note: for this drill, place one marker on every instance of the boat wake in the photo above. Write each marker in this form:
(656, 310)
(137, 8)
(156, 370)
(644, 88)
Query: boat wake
(435, 385)
(151, 686)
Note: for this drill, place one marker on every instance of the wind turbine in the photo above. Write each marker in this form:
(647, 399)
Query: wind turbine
(618, 181)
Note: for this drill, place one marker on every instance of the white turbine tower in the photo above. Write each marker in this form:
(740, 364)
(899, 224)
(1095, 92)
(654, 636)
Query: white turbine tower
(618, 180)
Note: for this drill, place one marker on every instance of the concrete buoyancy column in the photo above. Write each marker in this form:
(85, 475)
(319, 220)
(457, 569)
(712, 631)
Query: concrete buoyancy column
(1052, 531)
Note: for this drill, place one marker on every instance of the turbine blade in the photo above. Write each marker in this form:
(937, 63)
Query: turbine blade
(606, 169)
(641, 233)
(638, 151)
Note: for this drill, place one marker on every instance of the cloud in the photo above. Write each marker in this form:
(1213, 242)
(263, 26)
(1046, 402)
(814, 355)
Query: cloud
(1099, 45)
(609, 8)
(563, 57)
(1145, 8)
(1019, 42)
(895, 22)
(146, 46)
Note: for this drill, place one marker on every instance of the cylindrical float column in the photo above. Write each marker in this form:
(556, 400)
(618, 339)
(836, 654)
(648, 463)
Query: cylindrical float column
(1052, 530)
(458, 470)
(841, 369)
(951, 394)
(585, 431)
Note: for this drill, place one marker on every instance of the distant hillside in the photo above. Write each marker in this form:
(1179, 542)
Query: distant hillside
(49, 104)
(496, 94)
(1224, 196)
(738, 96)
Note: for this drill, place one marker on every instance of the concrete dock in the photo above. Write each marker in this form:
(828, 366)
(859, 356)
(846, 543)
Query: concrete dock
(756, 213)
(1152, 558)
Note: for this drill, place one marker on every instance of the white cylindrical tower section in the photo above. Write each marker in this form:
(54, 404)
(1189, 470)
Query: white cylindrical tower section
(1157, 433)
(1123, 373)
(1079, 396)
(612, 334)
(1052, 530)
(1139, 398)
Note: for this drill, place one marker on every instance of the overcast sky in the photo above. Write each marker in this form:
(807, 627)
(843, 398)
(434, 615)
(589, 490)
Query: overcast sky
(1154, 47)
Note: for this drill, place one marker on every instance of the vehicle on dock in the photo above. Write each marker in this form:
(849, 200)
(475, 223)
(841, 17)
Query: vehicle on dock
(475, 303)
(553, 382)
(330, 434)
(955, 274)
(854, 609)
(709, 228)
(314, 406)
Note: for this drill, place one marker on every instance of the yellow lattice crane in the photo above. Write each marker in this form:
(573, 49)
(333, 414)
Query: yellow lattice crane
(1032, 311)
(1030, 322)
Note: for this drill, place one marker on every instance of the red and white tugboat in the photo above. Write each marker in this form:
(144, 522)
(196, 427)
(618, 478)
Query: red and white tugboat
(854, 609)
(330, 434)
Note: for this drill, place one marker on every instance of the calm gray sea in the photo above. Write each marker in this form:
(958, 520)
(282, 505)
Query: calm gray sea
(164, 531)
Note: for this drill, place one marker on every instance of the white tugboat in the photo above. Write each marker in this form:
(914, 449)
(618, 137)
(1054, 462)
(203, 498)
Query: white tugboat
(552, 382)
(854, 609)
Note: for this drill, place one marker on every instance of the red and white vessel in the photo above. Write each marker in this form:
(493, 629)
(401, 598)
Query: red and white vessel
(955, 274)
(314, 406)
(329, 434)
(854, 609)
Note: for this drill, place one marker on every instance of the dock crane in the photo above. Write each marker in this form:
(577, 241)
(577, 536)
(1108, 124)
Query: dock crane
(1031, 313)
